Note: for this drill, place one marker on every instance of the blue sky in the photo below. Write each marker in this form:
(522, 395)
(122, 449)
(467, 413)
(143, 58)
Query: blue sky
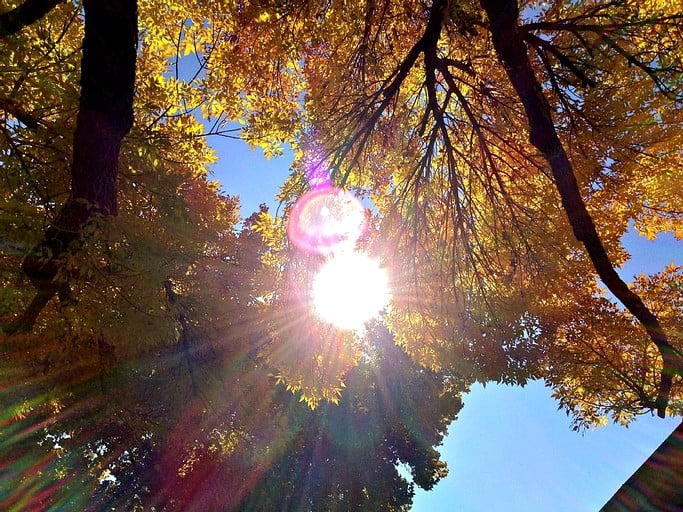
(510, 448)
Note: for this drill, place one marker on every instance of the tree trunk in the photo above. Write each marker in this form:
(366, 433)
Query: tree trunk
(105, 116)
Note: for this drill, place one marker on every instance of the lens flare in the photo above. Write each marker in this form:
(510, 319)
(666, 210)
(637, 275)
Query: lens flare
(350, 289)
(317, 174)
(325, 220)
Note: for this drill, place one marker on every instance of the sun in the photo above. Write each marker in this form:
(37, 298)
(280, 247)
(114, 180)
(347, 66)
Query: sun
(350, 289)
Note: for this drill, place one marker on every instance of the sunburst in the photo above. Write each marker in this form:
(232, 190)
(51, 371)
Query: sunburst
(350, 289)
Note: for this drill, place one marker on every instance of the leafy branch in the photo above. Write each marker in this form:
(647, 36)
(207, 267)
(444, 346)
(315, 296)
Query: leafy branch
(509, 44)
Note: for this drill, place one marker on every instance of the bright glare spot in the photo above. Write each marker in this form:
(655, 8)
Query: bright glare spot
(350, 289)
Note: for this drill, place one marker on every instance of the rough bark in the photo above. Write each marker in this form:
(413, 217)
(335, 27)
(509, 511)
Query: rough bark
(23, 15)
(503, 17)
(105, 116)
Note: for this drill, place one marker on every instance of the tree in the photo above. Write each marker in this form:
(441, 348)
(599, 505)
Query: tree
(111, 234)
(506, 150)
(336, 457)
(105, 115)
(501, 144)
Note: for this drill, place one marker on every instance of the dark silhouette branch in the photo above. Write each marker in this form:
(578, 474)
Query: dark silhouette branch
(24, 15)
(571, 24)
(607, 33)
(386, 94)
(17, 111)
(561, 57)
(509, 45)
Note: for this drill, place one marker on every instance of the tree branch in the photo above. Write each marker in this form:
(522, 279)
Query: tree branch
(17, 111)
(571, 24)
(24, 15)
(542, 44)
(392, 84)
(508, 41)
(603, 31)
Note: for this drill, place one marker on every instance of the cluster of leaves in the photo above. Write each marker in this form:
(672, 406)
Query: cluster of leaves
(347, 454)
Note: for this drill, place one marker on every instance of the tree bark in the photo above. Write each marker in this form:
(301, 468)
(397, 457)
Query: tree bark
(105, 116)
(507, 40)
